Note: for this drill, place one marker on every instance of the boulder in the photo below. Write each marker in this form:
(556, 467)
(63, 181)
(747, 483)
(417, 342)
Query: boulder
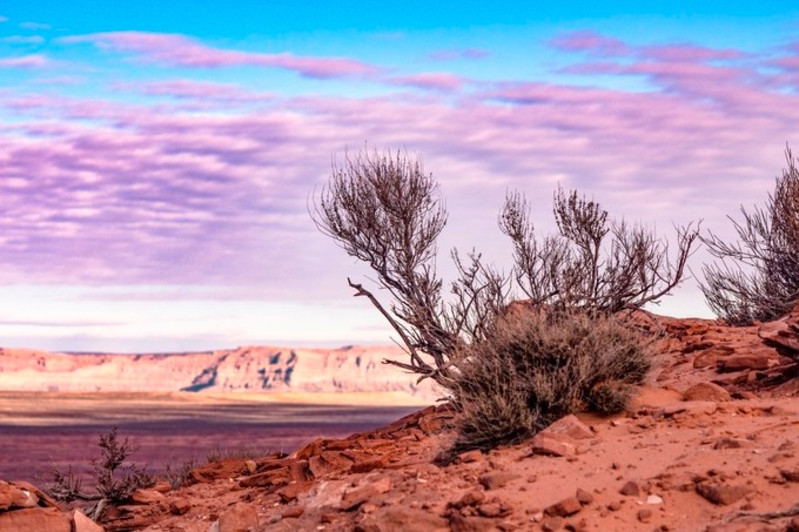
(783, 332)
(38, 519)
(706, 391)
(241, 517)
(83, 523)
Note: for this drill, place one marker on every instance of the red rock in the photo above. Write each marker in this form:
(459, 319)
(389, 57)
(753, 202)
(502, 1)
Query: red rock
(35, 519)
(353, 499)
(630, 489)
(564, 508)
(293, 490)
(644, 515)
(470, 456)
(731, 443)
(308, 450)
(491, 509)
(145, 496)
(710, 357)
(706, 391)
(546, 445)
(470, 498)
(745, 361)
(791, 475)
(179, 506)
(12, 496)
(570, 428)
(328, 462)
(493, 481)
(783, 332)
(584, 497)
(292, 512)
(793, 525)
(241, 517)
(722, 494)
(550, 524)
(81, 523)
(364, 466)
(461, 523)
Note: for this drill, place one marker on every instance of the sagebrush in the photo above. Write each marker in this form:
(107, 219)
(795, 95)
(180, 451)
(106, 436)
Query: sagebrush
(757, 278)
(535, 367)
(387, 212)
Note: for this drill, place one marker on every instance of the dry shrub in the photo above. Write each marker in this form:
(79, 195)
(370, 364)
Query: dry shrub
(757, 278)
(534, 368)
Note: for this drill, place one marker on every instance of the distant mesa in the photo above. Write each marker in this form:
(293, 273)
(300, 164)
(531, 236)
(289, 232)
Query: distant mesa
(244, 369)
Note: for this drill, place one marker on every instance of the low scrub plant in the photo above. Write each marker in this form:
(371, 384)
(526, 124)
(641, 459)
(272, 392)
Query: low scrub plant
(115, 478)
(536, 366)
(757, 278)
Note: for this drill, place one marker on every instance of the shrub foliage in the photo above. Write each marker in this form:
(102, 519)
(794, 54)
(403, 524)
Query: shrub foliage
(535, 366)
(758, 276)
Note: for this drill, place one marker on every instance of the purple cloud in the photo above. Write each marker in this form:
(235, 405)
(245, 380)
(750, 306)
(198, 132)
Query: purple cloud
(451, 55)
(590, 42)
(96, 191)
(439, 81)
(178, 50)
(25, 61)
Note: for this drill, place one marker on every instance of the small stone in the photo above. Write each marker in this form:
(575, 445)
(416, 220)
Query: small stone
(293, 512)
(614, 506)
(644, 515)
(584, 497)
(470, 498)
(791, 475)
(548, 446)
(353, 499)
(251, 466)
(493, 481)
(731, 443)
(550, 524)
(179, 506)
(722, 494)
(491, 509)
(654, 499)
(470, 456)
(145, 497)
(564, 508)
(631, 489)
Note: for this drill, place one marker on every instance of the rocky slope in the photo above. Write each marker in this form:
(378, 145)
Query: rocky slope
(710, 443)
(245, 369)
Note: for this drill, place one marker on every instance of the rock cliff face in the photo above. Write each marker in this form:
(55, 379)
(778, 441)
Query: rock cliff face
(245, 369)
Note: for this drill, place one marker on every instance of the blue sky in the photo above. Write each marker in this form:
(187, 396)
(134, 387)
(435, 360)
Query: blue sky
(159, 157)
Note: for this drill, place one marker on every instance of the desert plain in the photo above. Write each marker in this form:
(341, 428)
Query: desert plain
(709, 443)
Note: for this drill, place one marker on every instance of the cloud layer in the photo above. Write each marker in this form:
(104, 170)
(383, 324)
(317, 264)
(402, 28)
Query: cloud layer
(180, 180)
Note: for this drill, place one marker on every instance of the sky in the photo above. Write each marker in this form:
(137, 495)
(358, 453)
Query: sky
(159, 159)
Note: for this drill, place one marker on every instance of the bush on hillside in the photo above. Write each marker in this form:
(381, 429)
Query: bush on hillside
(758, 277)
(535, 367)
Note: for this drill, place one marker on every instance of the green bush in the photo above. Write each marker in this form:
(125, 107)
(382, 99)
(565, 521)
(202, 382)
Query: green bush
(534, 368)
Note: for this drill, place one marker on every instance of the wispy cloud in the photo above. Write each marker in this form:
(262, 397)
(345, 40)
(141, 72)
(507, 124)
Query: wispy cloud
(590, 42)
(23, 39)
(182, 51)
(34, 26)
(453, 54)
(97, 191)
(439, 81)
(26, 61)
